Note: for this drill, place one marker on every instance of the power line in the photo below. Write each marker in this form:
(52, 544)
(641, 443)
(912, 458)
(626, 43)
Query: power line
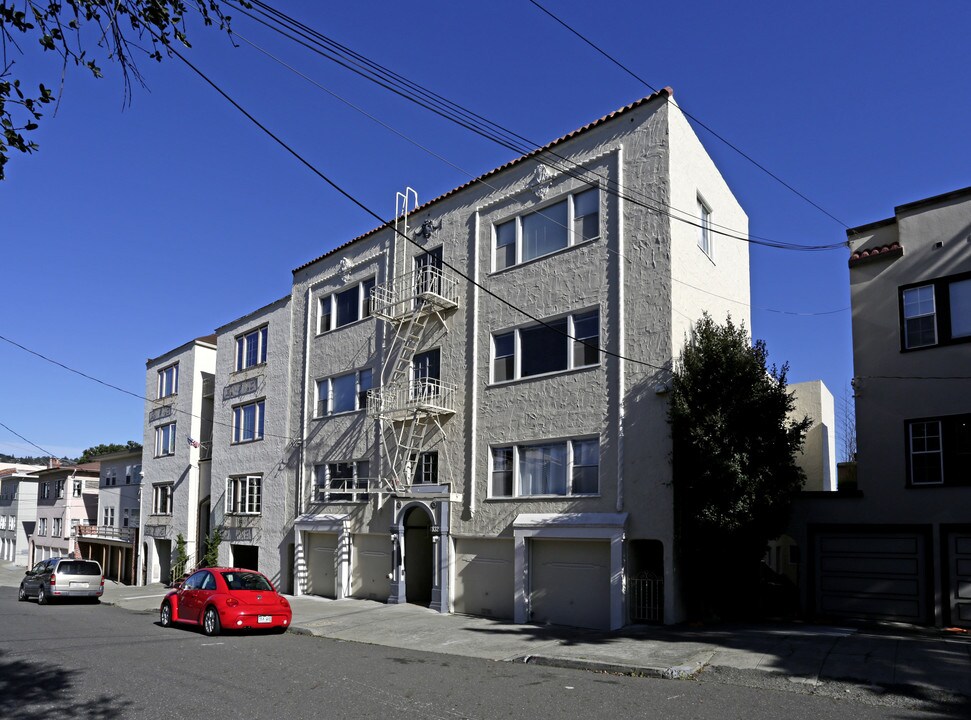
(701, 124)
(48, 453)
(415, 93)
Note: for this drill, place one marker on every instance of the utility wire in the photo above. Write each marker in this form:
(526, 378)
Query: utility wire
(48, 453)
(408, 90)
(701, 124)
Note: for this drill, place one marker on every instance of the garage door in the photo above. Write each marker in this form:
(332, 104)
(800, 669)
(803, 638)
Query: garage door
(322, 564)
(959, 572)
(484, 577)
(570, 583)
(370, 565)
(877, 576)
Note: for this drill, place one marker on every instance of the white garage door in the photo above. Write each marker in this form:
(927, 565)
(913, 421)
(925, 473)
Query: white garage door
(484, 577)
(570, 583)
(370, 565)
(322, 564)
(877, 576)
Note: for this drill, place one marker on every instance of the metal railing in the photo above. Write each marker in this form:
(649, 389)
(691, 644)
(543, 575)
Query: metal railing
(645, 593)
(344, 490)
(425, 394)
(429, 288)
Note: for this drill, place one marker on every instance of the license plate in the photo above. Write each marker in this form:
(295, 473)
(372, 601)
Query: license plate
(263, 619)
(79, 584)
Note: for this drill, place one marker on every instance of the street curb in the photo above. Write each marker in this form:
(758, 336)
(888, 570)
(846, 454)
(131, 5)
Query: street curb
(678, 672)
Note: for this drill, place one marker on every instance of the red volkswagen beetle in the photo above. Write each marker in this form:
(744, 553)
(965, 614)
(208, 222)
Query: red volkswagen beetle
(226, 599)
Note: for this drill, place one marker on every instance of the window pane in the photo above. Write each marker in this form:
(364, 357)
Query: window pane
(586, 215)
(325, 313)
(239, 353)
(545, 231)
(344, 393)
(249, 422)
(502, 472)
(542, 469)
(347, 306)
(364, 384)
(586, 330)
(252, 347)
(704, 231)
(366, 287)
(544, 349)
(260, 414)
(505, 245)
(586, 467)
(322, 387)
(427, 366)
(960, 308)
(925, 453)
(504, 365)
(263, 334)
(920, 324)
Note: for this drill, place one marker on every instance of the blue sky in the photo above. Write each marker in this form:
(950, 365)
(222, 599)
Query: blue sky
(135, 229)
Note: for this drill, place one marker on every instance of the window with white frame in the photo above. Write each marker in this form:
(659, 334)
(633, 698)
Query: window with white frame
(568, 222)
(244, 495)
(45, 490)
(56, 527)
(165, 440)
(251, 348)
(59, 489)
(343, 393)
(162, 496)
(125, 518)
(108, 517)
(704, 227)
(345, 307)
(424, 468)
(168, 381)
(248, 422)
(342, 481)
(563, 468)
(42, 526)
(78, 487)
(565, 343)
(3, 522)
(936, 313)
(939, 450)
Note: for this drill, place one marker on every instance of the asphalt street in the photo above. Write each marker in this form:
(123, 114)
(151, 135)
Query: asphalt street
(99, 661)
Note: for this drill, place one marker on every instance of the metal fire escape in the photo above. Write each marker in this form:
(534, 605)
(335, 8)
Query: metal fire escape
(409, 404)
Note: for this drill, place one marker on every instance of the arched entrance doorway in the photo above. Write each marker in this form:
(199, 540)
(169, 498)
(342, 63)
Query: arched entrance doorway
(419, 557)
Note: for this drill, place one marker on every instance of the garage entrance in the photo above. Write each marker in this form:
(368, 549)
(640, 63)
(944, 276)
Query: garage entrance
(322, 564)
(958, 549)
(569, 582)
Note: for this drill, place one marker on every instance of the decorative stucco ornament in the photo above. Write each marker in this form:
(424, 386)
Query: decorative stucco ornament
(542, 179)
(345, 270)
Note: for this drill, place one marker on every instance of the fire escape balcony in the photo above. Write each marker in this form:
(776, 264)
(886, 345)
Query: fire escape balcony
(427, 290)
(401, 402)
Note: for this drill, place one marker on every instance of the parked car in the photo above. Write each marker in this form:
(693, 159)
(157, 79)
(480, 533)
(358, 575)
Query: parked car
(63, 577)
(220, 599)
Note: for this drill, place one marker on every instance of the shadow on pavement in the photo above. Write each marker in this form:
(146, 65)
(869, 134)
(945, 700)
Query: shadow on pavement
(36, 691)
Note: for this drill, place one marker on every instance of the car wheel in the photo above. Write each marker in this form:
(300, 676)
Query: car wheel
(165, 615)
(210, 622)
(41, 596)
(21, 594)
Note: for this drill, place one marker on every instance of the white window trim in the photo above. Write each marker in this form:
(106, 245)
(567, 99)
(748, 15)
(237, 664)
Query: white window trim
(169, 450)
(259, 419)
(162, 491)
(518, 355)
(357, 495)
(363, 306)
(705, 242)
(174, 367)
(250, 502)
(323, 409)
(262, 333)
(933, 314)
(534, 443)
(571, 240)
(911, 453)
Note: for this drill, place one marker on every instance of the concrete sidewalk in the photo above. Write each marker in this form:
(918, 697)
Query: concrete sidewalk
(923, 661)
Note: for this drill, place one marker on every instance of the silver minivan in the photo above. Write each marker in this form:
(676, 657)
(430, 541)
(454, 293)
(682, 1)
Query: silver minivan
(62, 578)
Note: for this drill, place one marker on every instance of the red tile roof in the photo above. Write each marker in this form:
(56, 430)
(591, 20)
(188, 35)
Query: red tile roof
(884, 252)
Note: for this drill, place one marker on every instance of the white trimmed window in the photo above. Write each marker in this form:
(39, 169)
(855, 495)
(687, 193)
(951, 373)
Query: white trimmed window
(42, 526)
(936, 313)
(56, 527)
(424, 468)
(162, 496)
(251, 348)
(343, 393)
(564, 468)
(165, 440)
(704, 228)
(168, 381)
(244, 495)
(108, 516)
(59, 489)
(568, 222)
(248, 422)
(342, 481)
(45, 490)
(565, 343)
(345, 307)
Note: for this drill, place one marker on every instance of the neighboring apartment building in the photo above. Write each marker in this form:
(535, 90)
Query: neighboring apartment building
(112, 539)
(18, 511)
(457, 452)
(176, 463)
(252, 492)
(67, 497)
(900, 547)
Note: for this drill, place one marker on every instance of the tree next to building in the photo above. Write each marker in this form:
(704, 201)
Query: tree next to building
(735, 472)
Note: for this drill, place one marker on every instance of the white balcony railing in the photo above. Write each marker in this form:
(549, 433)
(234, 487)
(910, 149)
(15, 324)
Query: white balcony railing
(399, 401)
(428, 289)
(344, 490)
(105, 532)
